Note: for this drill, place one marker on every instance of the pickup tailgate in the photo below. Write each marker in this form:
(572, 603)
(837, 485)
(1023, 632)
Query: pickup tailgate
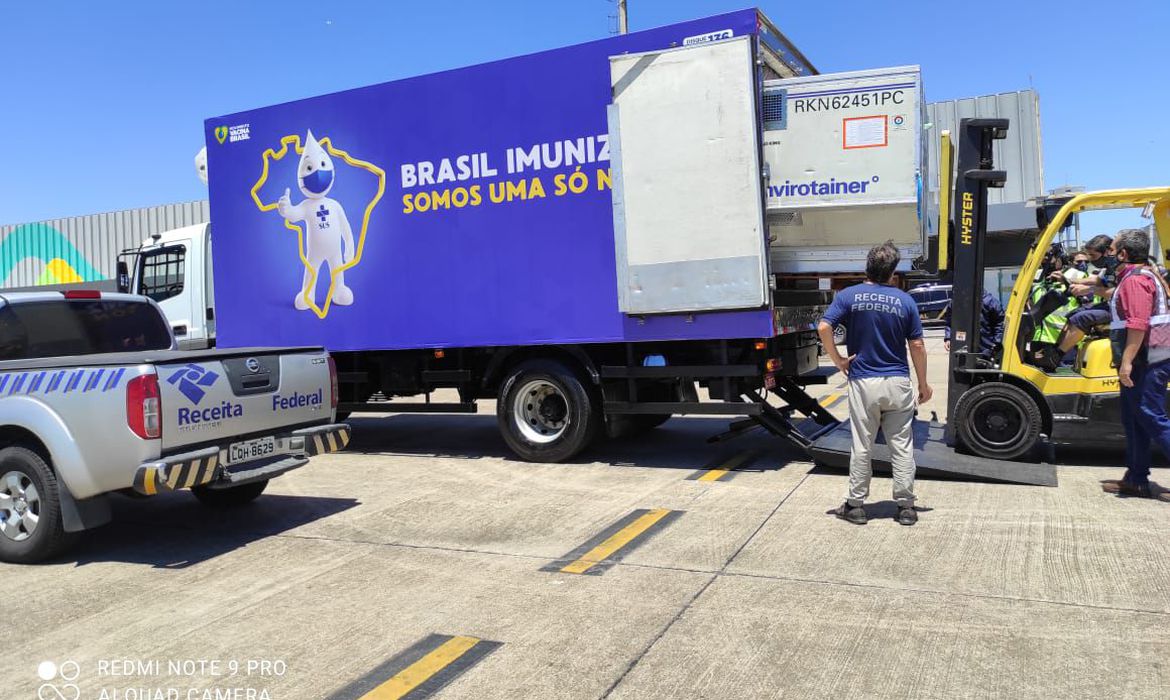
(219, 396)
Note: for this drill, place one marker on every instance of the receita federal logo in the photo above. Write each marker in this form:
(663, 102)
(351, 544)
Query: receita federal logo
(192, 381)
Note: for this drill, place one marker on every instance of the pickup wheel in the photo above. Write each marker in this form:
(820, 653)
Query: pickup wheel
(30, 508)
(545, 412)
(234, 497)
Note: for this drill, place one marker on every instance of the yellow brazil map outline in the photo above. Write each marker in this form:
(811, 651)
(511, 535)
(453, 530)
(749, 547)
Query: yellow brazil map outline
(295, 140)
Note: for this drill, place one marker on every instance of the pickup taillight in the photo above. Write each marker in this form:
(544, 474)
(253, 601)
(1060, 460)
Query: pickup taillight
(332, 383)
(144, 407)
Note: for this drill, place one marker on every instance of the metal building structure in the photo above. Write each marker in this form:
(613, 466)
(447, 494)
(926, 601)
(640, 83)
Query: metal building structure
(1020, 154)
(1011, 223)
(84, 249)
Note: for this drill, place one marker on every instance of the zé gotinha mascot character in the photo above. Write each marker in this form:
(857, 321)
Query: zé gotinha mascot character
(328, 236)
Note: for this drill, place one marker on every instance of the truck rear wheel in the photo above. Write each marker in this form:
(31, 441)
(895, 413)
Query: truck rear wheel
(30, 508)
(230, 498)
(545, 412)
(998, 420)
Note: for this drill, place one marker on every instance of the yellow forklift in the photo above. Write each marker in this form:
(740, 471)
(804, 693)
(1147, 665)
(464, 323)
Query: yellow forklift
(1005, 414)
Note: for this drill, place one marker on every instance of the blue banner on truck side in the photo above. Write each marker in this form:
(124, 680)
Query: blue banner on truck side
(464, 208)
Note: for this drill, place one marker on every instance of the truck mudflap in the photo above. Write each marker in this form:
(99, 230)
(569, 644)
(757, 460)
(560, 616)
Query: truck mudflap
(931, 455)
(208, 466)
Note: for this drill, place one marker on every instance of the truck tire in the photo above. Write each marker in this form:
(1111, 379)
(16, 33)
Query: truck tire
(545, 412)
(30, 508)
(998, 420)
(234, 497)
(839, 334)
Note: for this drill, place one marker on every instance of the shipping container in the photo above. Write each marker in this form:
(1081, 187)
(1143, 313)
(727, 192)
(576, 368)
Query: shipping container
(846, 163)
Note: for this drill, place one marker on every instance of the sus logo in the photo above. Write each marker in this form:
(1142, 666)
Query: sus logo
(192, 381)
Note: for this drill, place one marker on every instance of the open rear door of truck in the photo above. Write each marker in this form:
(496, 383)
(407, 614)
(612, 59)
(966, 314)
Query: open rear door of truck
(687, 184)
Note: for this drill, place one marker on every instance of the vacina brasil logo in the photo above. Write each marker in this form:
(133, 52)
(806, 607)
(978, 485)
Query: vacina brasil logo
(221, 133)
(192, 381)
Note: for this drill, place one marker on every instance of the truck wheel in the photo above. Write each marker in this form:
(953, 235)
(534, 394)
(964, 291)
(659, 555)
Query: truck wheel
(545, 412)
(998, 420)
(30, 508)
(230, 498)
(839, 335)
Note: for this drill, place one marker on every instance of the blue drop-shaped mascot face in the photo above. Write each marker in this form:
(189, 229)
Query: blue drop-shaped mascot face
(315, 172)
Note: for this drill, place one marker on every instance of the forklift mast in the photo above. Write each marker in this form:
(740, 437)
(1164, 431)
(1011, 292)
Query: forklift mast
(968, 234)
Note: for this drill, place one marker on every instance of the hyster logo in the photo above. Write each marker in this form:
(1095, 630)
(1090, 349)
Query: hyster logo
(297, 400)
(967, 219)
(192, 381)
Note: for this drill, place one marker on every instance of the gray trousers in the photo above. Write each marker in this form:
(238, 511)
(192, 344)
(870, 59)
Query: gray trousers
(887, 402)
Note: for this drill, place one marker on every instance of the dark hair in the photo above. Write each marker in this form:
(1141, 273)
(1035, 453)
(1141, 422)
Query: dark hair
(881, 262)
(1099, 244)
(1136, 244)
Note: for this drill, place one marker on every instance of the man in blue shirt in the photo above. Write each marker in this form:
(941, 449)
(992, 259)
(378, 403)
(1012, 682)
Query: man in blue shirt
(881, 321)
(991, 320)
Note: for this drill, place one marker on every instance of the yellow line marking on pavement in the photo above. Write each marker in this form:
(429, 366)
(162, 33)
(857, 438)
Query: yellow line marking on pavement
(830, 399)
(721, 471)
(618, 540)
(417, 673)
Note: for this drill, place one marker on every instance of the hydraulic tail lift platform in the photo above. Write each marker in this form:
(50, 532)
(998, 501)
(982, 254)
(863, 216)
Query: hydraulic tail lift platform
(828, 440)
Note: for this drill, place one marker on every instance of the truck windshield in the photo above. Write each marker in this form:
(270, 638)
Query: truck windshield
(79, 327)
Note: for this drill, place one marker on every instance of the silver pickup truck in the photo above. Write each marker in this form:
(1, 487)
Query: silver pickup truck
(94, 399)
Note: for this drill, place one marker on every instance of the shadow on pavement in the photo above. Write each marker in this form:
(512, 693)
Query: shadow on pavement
(174, 531)
(680, 443)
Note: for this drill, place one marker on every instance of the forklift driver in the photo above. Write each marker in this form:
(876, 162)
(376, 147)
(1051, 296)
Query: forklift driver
(1082, 321)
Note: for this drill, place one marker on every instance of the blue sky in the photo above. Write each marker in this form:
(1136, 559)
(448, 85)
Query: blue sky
(103, 102)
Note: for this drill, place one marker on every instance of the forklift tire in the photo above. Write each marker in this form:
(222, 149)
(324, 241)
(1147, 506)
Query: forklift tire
(546, 412)
(998, 420)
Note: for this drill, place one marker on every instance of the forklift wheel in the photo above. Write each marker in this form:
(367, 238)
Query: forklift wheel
(998, 420)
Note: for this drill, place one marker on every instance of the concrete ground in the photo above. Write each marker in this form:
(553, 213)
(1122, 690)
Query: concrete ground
(742, 588)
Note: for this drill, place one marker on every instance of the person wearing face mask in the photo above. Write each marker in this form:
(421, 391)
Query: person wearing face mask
(1100, 283)
(1140, 337)
(1051, 302)
(1078, 270)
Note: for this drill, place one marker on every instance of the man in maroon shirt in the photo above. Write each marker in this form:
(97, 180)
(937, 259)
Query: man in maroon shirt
(1143, 378)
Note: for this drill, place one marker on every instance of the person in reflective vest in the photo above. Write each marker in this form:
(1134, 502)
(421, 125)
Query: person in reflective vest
(1140, 337)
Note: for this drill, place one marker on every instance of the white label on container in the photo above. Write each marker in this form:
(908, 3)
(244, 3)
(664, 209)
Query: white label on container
(864, 132)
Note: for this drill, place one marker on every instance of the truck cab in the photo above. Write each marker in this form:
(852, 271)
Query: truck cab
(173, 268)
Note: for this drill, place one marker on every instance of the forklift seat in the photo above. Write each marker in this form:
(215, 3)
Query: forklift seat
(1095, 359)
